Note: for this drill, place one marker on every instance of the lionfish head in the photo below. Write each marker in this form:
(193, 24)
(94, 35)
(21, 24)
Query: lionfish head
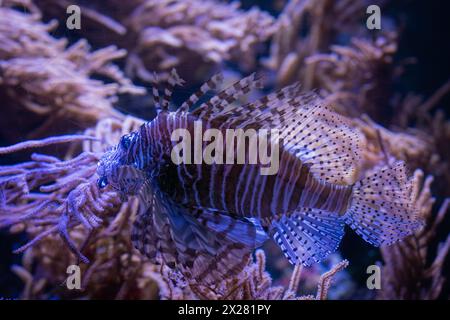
(118, 168)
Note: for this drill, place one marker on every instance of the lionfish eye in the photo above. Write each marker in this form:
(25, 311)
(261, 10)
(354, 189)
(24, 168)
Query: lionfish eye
(125, 141)
(102, 182)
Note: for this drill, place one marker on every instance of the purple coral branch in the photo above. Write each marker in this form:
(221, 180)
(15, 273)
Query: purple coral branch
(44, 142)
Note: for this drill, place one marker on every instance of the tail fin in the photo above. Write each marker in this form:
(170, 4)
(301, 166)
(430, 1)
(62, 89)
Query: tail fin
(382, 211)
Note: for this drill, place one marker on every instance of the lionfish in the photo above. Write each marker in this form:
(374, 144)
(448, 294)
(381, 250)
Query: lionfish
(206, 219)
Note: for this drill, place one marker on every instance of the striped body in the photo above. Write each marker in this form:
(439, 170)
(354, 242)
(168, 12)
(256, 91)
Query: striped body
(238, 189)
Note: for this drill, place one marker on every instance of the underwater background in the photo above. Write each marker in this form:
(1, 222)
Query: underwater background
(393, 83)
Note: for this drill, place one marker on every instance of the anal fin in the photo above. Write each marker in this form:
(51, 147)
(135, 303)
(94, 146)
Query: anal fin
(308, 235)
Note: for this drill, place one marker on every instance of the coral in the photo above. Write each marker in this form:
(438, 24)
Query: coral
(182, 34)
(46, 86)
(308, 27)
(323, 45)
(356, 78)
(434, 126)
(407, 272)
(178, 33)
(254, 283)
(383, 145)
(53, 199)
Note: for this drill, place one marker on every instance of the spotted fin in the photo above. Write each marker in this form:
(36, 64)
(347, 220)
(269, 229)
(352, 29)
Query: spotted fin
(275, 109)
(325, 140)
(381, 211)
(313, 133)
(310, 131)
(270, 111)
(308, 235)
